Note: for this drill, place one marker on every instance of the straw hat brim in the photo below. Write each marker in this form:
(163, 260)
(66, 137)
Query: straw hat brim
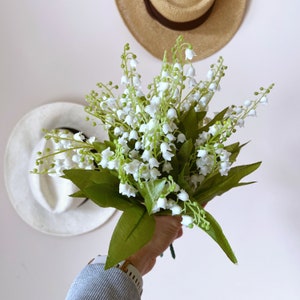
(219, 28)
(25, 136)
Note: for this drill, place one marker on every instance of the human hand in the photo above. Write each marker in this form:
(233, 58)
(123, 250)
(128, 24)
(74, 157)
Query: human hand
(167, 229)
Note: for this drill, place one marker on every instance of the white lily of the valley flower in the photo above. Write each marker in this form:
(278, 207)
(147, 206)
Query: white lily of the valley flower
(172, 114)
(151, 124)
(153, 163)
(118, 131)
(165, 150)
(151, 109)
(238, 109)
(138, 109)
(165, 73)
(203, 170)
(113, 164)
(129, 120)
(167, 167)
(192, 82)
(136, 81)
(166, 128)
(247, 103)
(187, 220)
(176, 93)
(252, 113)
(76, 158)
(162, 86)
(154, 173)
(170, 137)
(161, 203)
(189, 53)
(133, 135)
(210, 74)
(241, 122)
(132, 167)
(91, 140)
(181, 138)
(264, 100)
(196, 179)
(203, 100)
(214, 129)
(137, 145)
(127, 190)
(105, 156)
(79, 137)
(213, 87)
(202, 153)
(121, 114)
(224, 168)
(124, 79)
(175, 209)
(177, 66)
(146, 155)
(133, 63)
(167, 155)
(155, 100)
(164, 147)
(183, 195)
(190, 71)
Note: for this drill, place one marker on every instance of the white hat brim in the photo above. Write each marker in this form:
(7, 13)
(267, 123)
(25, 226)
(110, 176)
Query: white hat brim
(25, 136)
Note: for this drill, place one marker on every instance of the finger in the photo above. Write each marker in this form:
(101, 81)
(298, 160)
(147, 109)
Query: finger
(179, 233)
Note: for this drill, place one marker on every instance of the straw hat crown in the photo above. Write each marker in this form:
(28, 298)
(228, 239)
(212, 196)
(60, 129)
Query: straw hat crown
(182, 11)
(207, 24)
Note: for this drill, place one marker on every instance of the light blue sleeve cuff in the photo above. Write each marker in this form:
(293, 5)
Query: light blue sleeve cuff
(95, 283)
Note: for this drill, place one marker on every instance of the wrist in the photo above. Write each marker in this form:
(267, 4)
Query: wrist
(143, 261)
(127, 267)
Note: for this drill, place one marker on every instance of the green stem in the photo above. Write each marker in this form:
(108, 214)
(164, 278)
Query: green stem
(172, 251)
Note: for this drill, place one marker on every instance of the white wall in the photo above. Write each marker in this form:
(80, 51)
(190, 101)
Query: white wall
(57, 51)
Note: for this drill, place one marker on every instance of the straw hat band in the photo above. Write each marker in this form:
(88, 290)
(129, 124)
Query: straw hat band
(179, 26)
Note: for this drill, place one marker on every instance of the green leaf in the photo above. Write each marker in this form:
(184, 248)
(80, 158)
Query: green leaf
(182, 180)
(234, 149)
(218, 117)
(102, 187)
(83, 178)
(100, 146)
(190, 122)
(107, 195)
(134, 229)
(78, 194)
(217, 184)
(216, 233)
(184, 153)
(151, 191)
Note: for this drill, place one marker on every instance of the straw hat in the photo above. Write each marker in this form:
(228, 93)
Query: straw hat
(207, 24)
(42, 201)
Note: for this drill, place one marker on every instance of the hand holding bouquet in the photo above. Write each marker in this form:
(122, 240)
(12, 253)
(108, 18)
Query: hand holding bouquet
(164, 154)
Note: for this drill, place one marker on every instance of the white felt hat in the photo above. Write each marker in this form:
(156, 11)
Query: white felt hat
(32, 195)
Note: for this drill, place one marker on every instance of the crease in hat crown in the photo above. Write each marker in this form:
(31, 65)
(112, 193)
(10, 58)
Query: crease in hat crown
(182, 11)
(52, 192)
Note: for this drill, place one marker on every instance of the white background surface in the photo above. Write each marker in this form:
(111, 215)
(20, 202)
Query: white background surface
(58, 50)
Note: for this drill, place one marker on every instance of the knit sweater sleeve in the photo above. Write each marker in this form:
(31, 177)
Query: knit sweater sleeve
(95, 283)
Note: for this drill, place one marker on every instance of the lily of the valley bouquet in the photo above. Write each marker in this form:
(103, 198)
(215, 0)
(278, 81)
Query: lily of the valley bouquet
(164, 154)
